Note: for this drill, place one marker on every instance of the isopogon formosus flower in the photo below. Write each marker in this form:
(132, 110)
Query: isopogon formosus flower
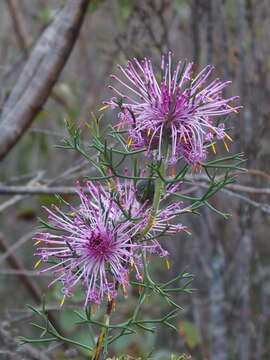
(179, 109)
(95, 244)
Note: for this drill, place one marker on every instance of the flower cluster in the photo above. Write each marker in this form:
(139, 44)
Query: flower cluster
(107, 236)
(98, 243)
(178, 111)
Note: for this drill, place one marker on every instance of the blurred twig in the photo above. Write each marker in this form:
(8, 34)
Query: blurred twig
(16, 263)
(66, 190)
(19, 26)
(41, 189)
(28, 283)
(22, 273)
(49, 182)
(16, 245)
(17, 198)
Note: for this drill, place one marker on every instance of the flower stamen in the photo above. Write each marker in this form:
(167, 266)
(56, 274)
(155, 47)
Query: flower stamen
(226, 145)
(63, 300)
(37, 263)
(186, 230)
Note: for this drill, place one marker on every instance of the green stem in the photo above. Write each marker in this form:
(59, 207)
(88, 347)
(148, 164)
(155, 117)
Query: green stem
(103, 332)
(102, 335)
(156, 201)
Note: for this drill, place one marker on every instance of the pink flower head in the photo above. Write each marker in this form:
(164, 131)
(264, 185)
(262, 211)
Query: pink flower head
(178, 110)
(96, 244)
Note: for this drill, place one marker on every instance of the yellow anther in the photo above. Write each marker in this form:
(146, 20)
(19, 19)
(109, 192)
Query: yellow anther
(226, 145)
(230, 107)
(214, 148)
(63, 300)
(129, 142)
(152, 220)
(112, 186)
(124, 290)
(187, 211)
(109, 297)
(37, 242)
(104, 107)
(194, 169)
(187, 231)
(148, 132)
(72, 214)
(185, 139)
(131, 262)
(37, 263)
(172, 171)
(168, 263)
(228, 137)
(113, 305)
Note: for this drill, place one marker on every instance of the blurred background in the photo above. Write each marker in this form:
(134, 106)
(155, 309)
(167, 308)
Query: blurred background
(228, 316)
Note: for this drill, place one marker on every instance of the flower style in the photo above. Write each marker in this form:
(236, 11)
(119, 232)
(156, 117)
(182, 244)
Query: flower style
(97, 242)
(178, 111)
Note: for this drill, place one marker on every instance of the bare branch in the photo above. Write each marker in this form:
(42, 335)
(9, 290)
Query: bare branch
(29, 284)
(18, 198)
(67, 190)
(16, 263)
(34, 190)
(38, 177)
(25, 41)
(263, 207)
(19, 26)
(24, 272)
(16, 245)
(40, 73)
(10, 346)
(252, 172)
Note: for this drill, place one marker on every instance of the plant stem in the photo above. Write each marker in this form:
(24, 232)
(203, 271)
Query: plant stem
(157, 195)
(100, 341)
(103, 331)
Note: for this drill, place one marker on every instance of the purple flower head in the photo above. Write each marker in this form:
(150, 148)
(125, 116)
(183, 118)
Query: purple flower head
(178, 110)
(96, 244)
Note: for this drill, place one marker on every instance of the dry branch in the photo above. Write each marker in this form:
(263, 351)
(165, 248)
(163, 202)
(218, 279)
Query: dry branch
(40, 73)
(10, 348)
(19, 26)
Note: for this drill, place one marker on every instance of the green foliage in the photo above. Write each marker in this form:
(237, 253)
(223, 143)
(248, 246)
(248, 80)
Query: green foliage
(46, 199)
(231, 8)
(48, 331)
(133, 325)
(125, 8)
(189, 332)
(26, 212)
(45, 14)
(94, 5)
